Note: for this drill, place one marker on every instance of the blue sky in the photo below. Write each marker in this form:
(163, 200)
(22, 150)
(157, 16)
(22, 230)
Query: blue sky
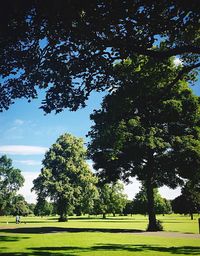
(26, 133)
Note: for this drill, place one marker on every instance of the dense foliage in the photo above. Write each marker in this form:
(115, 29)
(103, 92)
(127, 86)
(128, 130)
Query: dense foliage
(68, 47)
(148, 129)
(111, 199)
(189, 200)
(65, 177)
(11, 180)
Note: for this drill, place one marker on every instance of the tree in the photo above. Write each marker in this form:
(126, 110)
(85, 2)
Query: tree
(68, 48)
(148, 129)
(31, 207)
(189, 201)
(111, 199)
(10, 182)
(19, 206)
(65, 177)
(117, 198)
(43, 208)
(128, 209)
(140, 203)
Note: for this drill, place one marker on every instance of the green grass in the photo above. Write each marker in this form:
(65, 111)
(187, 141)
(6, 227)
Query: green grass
(94, 236)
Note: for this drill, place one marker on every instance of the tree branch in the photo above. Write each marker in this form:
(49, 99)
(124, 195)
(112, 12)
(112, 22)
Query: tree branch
(168, 52)
(182, 72)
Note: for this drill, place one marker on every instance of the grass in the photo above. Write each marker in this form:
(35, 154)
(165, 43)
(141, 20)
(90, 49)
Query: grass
(82, 236)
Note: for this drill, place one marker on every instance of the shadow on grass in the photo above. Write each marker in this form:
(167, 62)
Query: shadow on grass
(36, 254)
(187, 250)
(74, 250)
(43, 230)
(11, 238)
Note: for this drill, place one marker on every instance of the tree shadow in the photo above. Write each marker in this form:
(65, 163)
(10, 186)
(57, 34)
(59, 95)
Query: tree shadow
(38, 253)
(187, 250)
(12, 238)
(43, 230)
(75, 250)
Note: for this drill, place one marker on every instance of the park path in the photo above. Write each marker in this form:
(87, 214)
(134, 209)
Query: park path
(169, 234)
(141, 233)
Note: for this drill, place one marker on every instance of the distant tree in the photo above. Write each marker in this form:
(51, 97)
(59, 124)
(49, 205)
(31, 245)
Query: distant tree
(43, 208)
(112, 199)
(31, 207)
(65, 177)
(140, 203)
(128, 209)
(189, 201)
(51, 44)
(118, 198)
(19, 206)
(147, 128)
(11, 180)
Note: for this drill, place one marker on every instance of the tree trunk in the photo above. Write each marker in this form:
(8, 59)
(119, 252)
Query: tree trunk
(151, 209)
(63, 218)
(62, 211)
(191, 216)
(104, 216)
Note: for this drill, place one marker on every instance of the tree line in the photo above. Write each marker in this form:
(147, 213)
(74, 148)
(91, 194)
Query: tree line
(98, 198)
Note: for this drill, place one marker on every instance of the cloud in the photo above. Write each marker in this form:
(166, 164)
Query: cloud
(29, 162)
(170, 193)
(178, 62)
(18, 122)
(22, 150)
(28, 184)
(134, 187)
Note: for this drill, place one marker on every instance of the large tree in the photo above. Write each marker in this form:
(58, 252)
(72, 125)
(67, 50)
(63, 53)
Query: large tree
(148, 129)
(11, 180)
(68, 47)
(65, 177)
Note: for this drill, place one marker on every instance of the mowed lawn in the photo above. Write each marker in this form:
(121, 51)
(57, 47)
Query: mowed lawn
(95, 236)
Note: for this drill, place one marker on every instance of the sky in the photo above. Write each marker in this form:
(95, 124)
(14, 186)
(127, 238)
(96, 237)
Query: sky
(26, 133)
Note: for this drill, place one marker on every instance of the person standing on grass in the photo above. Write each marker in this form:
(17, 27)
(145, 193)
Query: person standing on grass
(17, 219)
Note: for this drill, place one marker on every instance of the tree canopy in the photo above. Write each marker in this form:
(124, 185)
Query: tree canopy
(68, 48)
(111, 199)
(11, 180)
(148, 129)
(65, 177)
(189, 200)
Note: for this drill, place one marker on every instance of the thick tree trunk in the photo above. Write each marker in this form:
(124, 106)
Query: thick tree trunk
(104, 216)
(151, 209)
(191, 216)
(62, 211)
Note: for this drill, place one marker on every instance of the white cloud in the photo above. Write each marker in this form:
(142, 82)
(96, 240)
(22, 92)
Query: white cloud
(133, 188)
(22, 150)
(28, 184)
(18, 122)
(178, 61)
(169, 193)
(29, 162)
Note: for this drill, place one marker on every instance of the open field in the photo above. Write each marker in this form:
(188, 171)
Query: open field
(94, 236)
